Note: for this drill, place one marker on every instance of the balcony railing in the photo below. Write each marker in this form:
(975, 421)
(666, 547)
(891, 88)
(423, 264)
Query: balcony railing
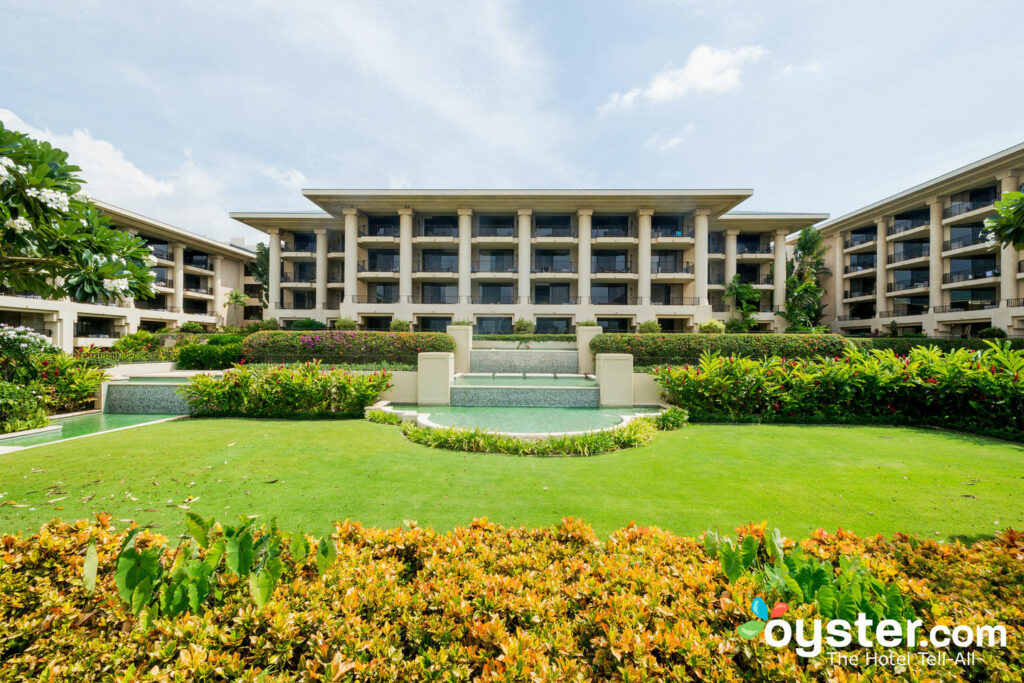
(554, 231)
(508, 230)
(199, 290)
(857, 240)
(335, 276)
(744, 248)
(553, 300)
(202, 264)
(298, 305)
(971, 274)
(761, 280)
(856, 316)
(854, 294)
(957, 208)
(908, 284)
(439, 230)
(671, 267)
(716, 246)
(903, 311)
(298, 277)
(438, 266)
(336, 246)
(253, 291)
(614, 301)
(858, 268)
(554, 267)
(495, 267)
(905, 224)
(668, 231)
(379, 231)
(379, 266)
(612, 231)
(445, 299)
(908, 254)
(1015, 303)
(161, 251)
(720, 307)
(613, 267)
(962, 242)
(1020, 266)
(376, 299)
(300, 247)
(716, 279)
(163, 282)
(963, 306)
(676, 301)
(501, 300)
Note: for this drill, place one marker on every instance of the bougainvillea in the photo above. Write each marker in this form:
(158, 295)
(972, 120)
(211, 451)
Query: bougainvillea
(335, 346)
(655, 349)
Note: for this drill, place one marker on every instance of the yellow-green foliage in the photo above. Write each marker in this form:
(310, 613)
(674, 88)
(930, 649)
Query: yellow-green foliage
(481, 602)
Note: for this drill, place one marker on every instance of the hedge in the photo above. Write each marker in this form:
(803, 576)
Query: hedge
(336, 346)
(903, 345)
(658, 349)
(209, 356)
(483, 602)
(971, 391)
(526, 337)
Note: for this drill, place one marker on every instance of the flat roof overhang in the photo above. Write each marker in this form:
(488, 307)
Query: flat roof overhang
(155, 228)
(285, 220)
(769, 222)
(609, 201)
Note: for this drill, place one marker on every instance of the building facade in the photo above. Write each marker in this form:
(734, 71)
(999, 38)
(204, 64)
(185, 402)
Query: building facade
(917, 261)
(556, 258)
(193, 277)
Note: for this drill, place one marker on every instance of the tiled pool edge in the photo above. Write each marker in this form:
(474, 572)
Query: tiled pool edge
(12, 449)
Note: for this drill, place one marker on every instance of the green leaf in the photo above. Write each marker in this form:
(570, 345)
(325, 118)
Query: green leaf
(794, 589)
(238, 554)
(214, 555)
(846, 607)
(826, 600)
(748, 551)
(90, 566)
(711, 543)
(751, 629)
(774, 545)
(134, 567)
(198, 528)
(141, 595)
(732, 564)
(299, 547)
(325, 553)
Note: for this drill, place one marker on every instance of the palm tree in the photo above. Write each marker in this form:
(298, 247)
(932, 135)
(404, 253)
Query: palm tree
(236, 299)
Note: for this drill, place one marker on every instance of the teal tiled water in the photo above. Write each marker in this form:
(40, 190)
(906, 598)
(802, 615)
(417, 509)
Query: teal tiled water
(523, 381)
(153, 380)
(80, 426)
(520, 420)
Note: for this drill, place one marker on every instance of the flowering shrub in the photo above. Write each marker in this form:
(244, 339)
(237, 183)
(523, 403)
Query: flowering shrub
(17, 346)
(294, 392)
(208, 356)
(977, 391)
(20, 408)
(343, 347)
(66, 383)
(903, 345)
(655, 349)
(480, 602)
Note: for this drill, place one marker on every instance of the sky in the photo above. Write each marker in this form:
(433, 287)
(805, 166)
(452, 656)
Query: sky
(184, 111)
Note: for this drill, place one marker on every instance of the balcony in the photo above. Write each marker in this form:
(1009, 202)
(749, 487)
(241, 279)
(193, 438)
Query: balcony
(198, 290)
(669, 232)
(444, 230)
(376, 299)
(720, 307)
(253, 291)
(498, 300)
(553, 231)
(161, 251)
(608, 266)
(854, 294)
(298, 277)
(612, 232)
(1015, 303)
(903, 311)
(856, 316)
(745, 249)
(335, 277)
(859, 268)
(299, 247)
(716, 278)
(438, 266)
(200, 263)
(716, 246)
(957, 208)
(963, 242)
(902, 225)
(614, 301)
(505, 230)
(553, 300)
(440, 299)
(966, 306)
(379, 266)
(761, 280)
(676, 301)
(297, 305)
(909, 254)
(500, 266)
(859, 240)
(658, 267)
(389, 231)
(970, 274)
(163, 282)
(553, 267)
(905, 285)
(336, 246)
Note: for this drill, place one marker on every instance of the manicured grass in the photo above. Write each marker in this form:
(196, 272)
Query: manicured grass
(310, 473)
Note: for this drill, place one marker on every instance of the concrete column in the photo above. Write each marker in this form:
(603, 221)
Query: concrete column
(351, 253)
(435, 373)
(730, 254)
(1008, 254)
(404, 255)
(779, 298)
(838, 281)
(525, 224)
(615, 378)
(583, 254)
(179, 277)
(935, 207)
(218, 289)
(463, 336)
(881, 261)
(465, 258)
(643, 252)
(583, 337)
(321, 268)
(700, 255)
(274, 269)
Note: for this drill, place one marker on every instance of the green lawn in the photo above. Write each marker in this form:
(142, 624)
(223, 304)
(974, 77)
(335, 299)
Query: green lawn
(310, 473)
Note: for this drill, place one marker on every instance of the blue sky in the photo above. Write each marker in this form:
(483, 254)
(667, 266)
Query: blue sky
(184, 111)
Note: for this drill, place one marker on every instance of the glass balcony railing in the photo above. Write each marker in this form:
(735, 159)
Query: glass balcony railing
(553, 266)
(963, 242)
(908, 254)
(962, 306)
(438, 265)
(967, 274)
(671, 267)
(379, 266)
(859, 239)
(958, 207)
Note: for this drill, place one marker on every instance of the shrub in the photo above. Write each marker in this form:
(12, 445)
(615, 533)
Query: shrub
(992, 333)
(523, 338)
(345, 324)
(648, 327)
(66, 383)
(305, 391)
(224, 339)
(307, 324)
(464, 323)
(903, 345)
(586, 323)
(655, 349)
(344, 347)
(712, 326)
(17, 346)
(523, 326)
(971, 391)
(191, 327)
(671, 418)
(417, 604)
(384, 417)
(209, 356)
(20, 408)
(141, 341)
(399, 325)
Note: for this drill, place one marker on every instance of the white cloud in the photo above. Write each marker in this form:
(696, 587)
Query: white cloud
(707, 70)
(289, 178)
(665, 143)
(812, 67)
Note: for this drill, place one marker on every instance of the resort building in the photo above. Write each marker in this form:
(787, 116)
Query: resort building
(554, 257)
(917, 260)
(193, 277)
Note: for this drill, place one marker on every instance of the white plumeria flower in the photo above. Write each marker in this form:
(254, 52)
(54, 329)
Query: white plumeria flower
(18, 224)
(6, 162)
(4, 174)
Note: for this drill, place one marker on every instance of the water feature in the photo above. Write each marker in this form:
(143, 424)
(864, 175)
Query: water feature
(523, 390)
(524, 360)
(527, 420)
(81, 425)
(145, 395)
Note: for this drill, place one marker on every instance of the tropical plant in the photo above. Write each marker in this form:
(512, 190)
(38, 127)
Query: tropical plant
(191, 327)
(648, 327)
(659, 349)
(1007, 226)
(260, 269)
(711, 326)
(17, 346)
(344, 347)
(399, 325)
(747, 300)
(66, 383)
(345, 324)
(53, 239)
(523, 326)
(209, 356)
(236, 299)
(307, 324)
(803, 309)
(20, 408)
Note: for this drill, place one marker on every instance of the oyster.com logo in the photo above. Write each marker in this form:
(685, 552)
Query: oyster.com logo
(759, 607)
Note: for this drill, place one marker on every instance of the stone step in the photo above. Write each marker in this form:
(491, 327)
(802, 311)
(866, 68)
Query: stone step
(526, 360)
(544, 397)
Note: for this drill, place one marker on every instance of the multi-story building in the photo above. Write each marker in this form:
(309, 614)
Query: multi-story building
(193, 276)
(555, 257)
(918, 260)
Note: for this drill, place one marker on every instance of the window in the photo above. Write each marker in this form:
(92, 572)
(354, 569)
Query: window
(553, 293)
(497, 294)
(434, 323)
(493, 325)
(496, 226)
(961, 236)
(553, 226)
(377, 323)
(439, 261)
(432, 293)
(607, 261)
(440, 226)
(496, 261)
(614, 324)
(194, 307)
(603, 294)
(552, 261)
(382, 226)
(382, 260)
(554, 325)
(382, 293)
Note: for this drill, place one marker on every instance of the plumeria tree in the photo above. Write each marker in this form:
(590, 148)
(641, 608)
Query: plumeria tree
(53, 239)
(1007, 226)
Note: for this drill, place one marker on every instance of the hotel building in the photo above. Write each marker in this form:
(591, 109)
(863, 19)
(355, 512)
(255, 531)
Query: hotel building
(554, 257)
(193, 277)
(917, 260)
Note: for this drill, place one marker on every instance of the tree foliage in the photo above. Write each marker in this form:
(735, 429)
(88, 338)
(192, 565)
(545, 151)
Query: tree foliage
(1007, 226)
(747, 300)
(53, 239)
(804, 306)
(261, 272)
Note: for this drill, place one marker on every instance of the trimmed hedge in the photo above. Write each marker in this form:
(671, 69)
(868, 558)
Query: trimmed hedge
(483, 602)
(659, 349)
(209, 356)
(336, 346)
(526, 337)
(903, 345)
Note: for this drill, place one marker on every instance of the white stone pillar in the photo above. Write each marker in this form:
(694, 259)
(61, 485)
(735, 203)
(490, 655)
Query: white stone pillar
(404, 255)
(525, 224)
(218, 289)
(643, 252)
(935, 207)
(700, 255)
(881, 262)
(351, 253)
(1008, 254)
(274, 269)
(838, 281)
(583, 254)
(465, 256)
(321, 269)
(779, 298)
(179, 277)
(730, 254)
